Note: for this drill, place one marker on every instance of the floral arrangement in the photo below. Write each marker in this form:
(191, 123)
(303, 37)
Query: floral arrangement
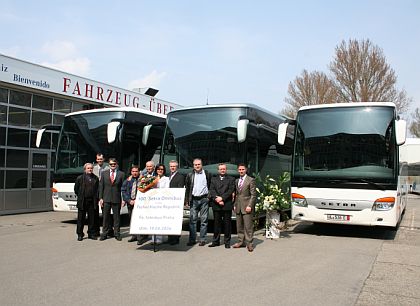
(273, 194)
(147, 182)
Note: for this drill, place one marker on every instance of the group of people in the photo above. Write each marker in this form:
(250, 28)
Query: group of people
(106, 185)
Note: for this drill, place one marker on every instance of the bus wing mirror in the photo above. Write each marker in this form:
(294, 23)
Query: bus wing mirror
(242, 128)
(400, 131)
(41, 131)
(146, 132)
(112, 131)
(281, 136)
(39, 137)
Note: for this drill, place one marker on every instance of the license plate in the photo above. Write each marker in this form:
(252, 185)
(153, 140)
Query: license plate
(72, 207)
(338, 217)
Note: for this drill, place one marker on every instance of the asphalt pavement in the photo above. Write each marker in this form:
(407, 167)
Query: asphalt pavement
(43, 264)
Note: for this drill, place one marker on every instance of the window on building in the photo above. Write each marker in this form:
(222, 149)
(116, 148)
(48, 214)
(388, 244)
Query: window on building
(42, 102)
(58, 119)
(39, 160)
(2, 136)
(19, 116)
(45, 142)
(40, 118)
(16, 179)
(39, 179)
(1, 179)
(62, 106)
(2, 153)
(3, 95)
(17, 138)
(17, 158)
(79, 107)
(3, 114)
(20, 98)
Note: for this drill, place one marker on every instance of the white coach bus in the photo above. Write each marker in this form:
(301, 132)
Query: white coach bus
(346, 167)
(114, 132)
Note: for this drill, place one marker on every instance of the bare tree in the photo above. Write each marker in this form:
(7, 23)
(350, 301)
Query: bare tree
(415, 124)
(309, 89)
(361, 73)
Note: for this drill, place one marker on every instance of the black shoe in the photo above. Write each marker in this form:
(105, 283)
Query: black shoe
(141, 241)
(132, 239)
(227, 245)
(103, 237)
(93, 237)
(118, 237)
(79, 238)
(214, 245)
(202, 243)
(191, 243)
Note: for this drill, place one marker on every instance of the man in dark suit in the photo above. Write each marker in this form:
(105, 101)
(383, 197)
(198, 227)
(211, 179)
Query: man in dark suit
(176, 180)
(246, 196)
(110, 198)
(86, 189)
(222, 188)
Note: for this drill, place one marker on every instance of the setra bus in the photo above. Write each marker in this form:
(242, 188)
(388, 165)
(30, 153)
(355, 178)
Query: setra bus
(228, 133)
(346, 167)
(114, 132)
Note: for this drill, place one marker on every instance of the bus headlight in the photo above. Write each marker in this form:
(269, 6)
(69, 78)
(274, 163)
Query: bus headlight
(299, 200)
(383, 204)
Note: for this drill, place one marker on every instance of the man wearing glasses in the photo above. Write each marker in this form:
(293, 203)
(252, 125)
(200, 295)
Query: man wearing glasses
(110, 198)
(197, 186)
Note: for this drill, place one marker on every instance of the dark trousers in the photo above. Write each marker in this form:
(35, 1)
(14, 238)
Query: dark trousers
(222, 218)
(88, 208)
(130, 212)
(96, 221)
(106, 215)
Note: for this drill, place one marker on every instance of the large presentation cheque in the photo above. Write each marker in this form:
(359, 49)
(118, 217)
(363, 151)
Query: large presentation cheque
(158, 212)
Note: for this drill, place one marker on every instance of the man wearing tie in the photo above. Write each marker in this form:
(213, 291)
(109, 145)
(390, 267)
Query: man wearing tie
(221, 190)
(176, 180)
(110, 198)
(246, 196)
(129, 193)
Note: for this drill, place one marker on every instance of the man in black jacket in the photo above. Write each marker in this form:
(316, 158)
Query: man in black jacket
(222, 188)
(197, 186)
(176, 180)
(86, 189)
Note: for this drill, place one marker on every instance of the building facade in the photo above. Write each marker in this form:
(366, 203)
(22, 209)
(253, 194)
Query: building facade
(32, 96)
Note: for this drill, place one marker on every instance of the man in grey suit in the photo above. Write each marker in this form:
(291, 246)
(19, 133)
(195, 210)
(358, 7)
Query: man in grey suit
(110, 198)
(246, 196)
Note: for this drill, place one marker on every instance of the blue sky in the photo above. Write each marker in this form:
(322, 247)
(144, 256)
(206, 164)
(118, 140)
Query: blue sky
(223, 51)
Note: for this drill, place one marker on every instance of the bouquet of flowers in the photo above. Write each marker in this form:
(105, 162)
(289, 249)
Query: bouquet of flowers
(273, 194)
(147, 182)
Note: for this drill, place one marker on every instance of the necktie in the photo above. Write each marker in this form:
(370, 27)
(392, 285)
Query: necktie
(134, 189)
(112, 177)
(241, 182)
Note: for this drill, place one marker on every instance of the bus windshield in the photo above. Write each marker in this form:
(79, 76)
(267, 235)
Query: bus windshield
(350, 143)
(210, 135)
(82, 136)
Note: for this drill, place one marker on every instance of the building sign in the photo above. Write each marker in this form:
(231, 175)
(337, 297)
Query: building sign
(158, 212)
(26, 74)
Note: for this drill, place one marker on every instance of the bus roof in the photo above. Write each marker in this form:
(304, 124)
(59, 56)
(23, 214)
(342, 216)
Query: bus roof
(347, 104)
(116, 109)
(230, 105)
